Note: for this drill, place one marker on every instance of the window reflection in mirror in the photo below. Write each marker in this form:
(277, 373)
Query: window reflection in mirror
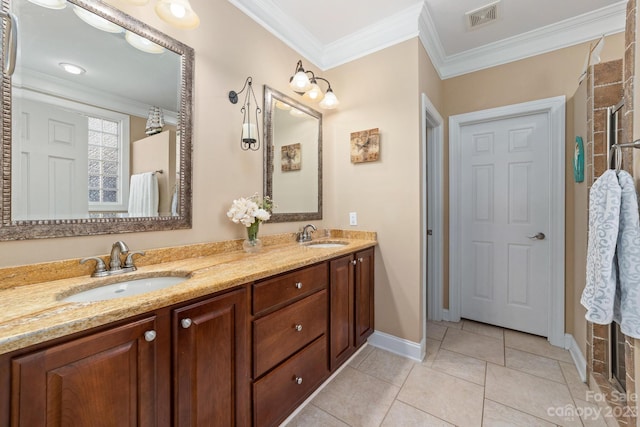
(81, 95)
(293, 158)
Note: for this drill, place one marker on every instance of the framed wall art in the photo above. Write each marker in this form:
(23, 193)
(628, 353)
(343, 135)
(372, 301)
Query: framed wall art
(291, 157)
(365, 146)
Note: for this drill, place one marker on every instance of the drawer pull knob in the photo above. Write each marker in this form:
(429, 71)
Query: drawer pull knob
(298, 380)
(298, 328)
(354, 262)
(298, 285)
(150, 335)
(185, 323)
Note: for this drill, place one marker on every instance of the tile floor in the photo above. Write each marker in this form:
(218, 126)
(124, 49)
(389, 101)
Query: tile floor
(474, 375)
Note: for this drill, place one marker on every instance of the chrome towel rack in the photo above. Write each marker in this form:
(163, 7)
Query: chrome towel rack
(617, 152)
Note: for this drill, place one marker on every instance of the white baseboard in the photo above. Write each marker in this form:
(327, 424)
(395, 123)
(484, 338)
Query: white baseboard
(445, 314)
(578, 358)
(409, 349)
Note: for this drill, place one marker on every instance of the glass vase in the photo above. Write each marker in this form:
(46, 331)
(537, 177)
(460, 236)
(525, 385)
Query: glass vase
(252, 244)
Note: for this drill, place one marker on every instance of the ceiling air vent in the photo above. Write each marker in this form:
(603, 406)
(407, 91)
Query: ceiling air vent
(483, 16)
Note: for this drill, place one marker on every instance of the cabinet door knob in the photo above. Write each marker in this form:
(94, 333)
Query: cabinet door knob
(298, 285)
(185, 323)
(360, 259)
(354, 262)
(298, 328)
(298, 380)
(150, 335)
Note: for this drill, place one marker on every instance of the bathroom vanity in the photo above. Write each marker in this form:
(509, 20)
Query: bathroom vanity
(244, 341)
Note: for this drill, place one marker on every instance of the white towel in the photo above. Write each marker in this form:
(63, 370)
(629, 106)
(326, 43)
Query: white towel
(598, 296)
(143, 195)
(627, 307)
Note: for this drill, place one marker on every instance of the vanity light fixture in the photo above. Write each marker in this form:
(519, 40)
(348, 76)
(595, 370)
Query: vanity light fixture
(97, 21)
(250, 137)
(305, 83)
(51, 4)
(142, 43)
(178, 13)
(72, 68)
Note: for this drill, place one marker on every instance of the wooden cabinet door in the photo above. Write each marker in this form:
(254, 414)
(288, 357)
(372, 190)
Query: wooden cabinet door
(342, 344)
(211, 356)
(105, 379)
(364, 284)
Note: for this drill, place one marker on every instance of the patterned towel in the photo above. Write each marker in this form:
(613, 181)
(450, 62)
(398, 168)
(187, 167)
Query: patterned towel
(627, 309)
(598, 296)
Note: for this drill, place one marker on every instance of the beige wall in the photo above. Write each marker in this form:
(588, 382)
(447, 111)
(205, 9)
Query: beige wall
(381, 90)
(229, 46)
(551, 74)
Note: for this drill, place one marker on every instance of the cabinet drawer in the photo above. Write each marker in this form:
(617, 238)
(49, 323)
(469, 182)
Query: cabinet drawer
(288, 287)
(282, 333)
(279, 392)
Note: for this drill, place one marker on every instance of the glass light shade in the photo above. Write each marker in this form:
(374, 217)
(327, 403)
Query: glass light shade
(249, 133)
(300, 82)
(97, 21)
(296, 113)
(142, 44)
(282, 106)
(51, 4)
(314, 94)
(330, 100)
(177, 13)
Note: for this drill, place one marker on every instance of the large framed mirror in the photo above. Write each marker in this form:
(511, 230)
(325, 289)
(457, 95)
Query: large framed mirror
(95, 117)
(292, 158)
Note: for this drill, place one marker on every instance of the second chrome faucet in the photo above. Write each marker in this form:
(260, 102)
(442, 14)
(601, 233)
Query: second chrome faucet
(305, 235)
(118, 249)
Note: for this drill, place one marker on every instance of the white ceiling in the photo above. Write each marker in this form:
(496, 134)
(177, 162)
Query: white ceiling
(338, 31)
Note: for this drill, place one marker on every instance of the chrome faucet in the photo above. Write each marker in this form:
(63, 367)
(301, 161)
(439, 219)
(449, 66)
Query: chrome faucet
(304, 235)
(118, 249)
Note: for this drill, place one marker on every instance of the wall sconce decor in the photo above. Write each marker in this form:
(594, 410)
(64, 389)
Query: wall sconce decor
(250, 137)
(305, 83)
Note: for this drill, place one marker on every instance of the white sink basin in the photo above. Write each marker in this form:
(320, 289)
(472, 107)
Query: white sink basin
(326, 244)
(125, 289)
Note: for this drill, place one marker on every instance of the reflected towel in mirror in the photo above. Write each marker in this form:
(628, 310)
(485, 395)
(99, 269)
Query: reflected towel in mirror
(143, 195)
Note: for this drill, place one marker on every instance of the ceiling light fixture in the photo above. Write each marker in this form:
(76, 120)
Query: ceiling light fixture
(142, 43)
(305, 83)
(51, 4)
(250, 136)
(177, 13)
(97, 21)
(72, 68)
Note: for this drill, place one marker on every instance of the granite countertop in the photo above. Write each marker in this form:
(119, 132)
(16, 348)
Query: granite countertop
(34, 313)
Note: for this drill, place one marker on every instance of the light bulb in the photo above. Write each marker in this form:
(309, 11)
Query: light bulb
(177, 10)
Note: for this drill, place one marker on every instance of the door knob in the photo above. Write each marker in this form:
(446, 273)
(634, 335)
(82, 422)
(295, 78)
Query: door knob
(539, 236)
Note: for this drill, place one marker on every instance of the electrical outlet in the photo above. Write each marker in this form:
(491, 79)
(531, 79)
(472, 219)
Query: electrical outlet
(353, 218)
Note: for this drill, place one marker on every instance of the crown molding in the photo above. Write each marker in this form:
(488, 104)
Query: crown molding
(392, 30)
(281, 25)
(580, 29)
(416, 21)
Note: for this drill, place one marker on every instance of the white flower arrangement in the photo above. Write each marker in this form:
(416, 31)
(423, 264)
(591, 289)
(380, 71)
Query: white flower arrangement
(250, 210)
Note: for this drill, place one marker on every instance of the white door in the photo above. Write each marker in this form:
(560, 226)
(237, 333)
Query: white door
(51, 162)
(505, 222)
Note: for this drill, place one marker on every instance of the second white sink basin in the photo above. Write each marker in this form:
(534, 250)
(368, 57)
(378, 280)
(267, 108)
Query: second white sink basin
(125, 289)
(326, 244)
